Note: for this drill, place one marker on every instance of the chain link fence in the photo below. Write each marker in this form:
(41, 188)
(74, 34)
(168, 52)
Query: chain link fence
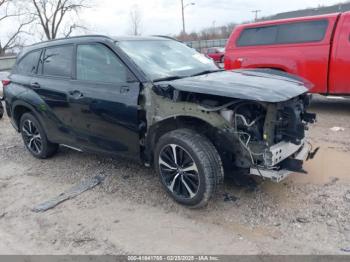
(7, 62)
(203, 44)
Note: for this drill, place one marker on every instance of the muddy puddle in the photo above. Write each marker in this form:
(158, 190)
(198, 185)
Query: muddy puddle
(327, 165)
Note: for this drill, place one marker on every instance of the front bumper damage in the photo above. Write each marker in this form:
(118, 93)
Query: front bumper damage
(283, 159)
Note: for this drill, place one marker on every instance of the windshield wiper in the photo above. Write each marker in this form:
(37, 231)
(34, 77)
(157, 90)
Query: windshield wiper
(207, 72)
(168, 78)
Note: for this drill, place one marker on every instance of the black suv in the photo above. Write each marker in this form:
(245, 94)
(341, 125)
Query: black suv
(156, 100)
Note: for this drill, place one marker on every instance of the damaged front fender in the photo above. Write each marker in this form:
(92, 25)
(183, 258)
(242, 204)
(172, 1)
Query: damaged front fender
(159, 108)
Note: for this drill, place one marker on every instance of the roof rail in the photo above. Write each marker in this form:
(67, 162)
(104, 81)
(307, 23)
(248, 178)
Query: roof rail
(71, 37)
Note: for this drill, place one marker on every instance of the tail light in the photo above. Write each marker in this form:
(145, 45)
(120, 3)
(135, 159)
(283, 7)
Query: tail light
(5, 82)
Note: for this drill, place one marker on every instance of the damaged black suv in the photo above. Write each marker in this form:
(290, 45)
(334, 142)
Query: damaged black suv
(156, 100)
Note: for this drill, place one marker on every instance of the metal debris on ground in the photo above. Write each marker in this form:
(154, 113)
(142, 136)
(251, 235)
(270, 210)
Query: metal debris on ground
(229, 198)
(69, 194)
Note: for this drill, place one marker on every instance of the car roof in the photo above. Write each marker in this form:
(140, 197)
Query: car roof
(141, 38)
(74, 39)
(289, 20)
(87, 38)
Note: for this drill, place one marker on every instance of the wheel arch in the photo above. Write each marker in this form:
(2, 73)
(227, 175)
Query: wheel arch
(169, 124)
(19, 108)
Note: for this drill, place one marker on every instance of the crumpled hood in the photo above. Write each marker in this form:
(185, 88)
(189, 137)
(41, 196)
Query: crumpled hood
(264, 85)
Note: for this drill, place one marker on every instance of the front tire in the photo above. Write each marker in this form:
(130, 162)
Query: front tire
(189, 167)
(34, 137)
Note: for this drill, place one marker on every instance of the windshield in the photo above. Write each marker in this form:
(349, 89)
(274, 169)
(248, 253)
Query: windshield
(164, 58)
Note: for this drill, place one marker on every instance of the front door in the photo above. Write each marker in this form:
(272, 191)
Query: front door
(103, 101)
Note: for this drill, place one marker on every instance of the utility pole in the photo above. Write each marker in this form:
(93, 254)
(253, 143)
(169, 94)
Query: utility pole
(183, 15)
(256, 12)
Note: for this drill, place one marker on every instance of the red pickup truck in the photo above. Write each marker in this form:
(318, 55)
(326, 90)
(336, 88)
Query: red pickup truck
(316, 48)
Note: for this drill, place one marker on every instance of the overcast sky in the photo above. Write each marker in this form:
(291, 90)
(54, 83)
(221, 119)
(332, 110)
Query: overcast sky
(164, 16)
(112, 17)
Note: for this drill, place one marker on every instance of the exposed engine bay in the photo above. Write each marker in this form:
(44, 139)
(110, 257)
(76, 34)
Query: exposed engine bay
(267, 139)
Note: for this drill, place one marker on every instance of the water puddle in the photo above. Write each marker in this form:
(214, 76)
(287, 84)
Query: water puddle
(327, 165)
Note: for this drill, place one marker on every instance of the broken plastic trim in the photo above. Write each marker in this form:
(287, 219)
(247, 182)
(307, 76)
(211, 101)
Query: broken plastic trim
(69, 194)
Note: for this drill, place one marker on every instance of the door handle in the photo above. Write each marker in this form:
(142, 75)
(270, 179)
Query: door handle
(124, 89)
(76, 94)
(35, 85)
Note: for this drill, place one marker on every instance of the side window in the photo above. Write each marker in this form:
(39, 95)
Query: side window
(29, 64)
(96, 62)
(57, 61)
(311, 31)
(299, 32)
(258, 36)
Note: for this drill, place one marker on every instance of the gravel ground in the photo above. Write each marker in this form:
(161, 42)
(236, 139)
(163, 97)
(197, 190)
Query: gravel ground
(130, 213)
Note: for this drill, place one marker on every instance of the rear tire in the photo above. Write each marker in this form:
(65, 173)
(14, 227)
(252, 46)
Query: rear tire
(190, 175)
(34, 137)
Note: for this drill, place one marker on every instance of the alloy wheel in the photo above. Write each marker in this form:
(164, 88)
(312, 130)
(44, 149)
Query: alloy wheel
(32, 136)
(179, 171)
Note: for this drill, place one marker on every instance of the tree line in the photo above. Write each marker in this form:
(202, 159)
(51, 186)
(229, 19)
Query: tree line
(209, 33)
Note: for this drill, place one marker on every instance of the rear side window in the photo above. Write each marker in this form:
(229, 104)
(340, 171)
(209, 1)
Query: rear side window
(313, 31)
(57, 61)
(96, 62)
(258, 36)
(29, 64)
(300, 32)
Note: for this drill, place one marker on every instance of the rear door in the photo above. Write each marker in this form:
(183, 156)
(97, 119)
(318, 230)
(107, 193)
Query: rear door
(52, 83)
(103, 101)
(26, 67)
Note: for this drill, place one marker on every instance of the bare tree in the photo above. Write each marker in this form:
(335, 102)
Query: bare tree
(13, 38)
(135, 21)
(52, 13)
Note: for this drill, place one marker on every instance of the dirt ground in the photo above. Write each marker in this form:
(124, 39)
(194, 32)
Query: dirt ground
(130, 213)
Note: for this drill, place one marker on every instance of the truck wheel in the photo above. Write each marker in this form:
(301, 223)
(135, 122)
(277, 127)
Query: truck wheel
(189, 166)
(34, 137)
